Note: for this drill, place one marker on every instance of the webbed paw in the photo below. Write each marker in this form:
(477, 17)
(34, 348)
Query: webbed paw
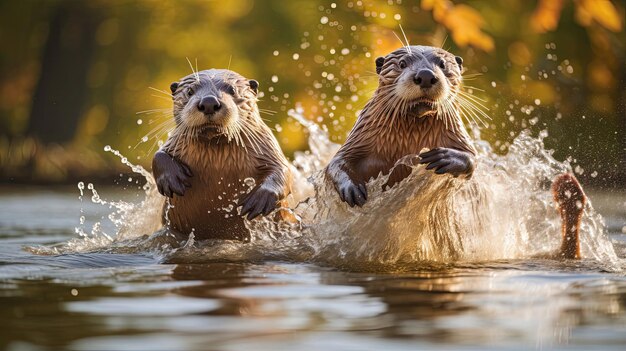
(171, 176)
(445, 160)
(260, 201)
(351, 193)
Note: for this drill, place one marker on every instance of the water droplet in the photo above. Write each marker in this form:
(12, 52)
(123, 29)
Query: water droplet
(140, 121)
(249, 182)
(274, 79)
(324, 20)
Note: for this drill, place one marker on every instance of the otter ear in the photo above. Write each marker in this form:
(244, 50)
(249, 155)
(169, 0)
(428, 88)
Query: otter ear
(379, 64)
(254, 85)
(173, 87)
(459, 60)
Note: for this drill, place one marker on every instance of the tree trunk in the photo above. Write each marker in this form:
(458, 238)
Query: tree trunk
(59, 98)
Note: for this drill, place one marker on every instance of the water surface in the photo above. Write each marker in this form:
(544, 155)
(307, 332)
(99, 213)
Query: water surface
(105, 301)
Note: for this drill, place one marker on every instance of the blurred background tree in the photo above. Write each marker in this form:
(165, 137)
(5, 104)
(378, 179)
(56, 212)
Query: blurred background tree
(75, 74)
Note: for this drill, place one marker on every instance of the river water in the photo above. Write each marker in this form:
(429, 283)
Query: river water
(433, 262)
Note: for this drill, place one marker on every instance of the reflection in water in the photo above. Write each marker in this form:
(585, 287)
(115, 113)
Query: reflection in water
(227, 304)
(274, 305)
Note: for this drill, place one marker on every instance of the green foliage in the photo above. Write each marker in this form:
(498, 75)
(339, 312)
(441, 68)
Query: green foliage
(552, 64)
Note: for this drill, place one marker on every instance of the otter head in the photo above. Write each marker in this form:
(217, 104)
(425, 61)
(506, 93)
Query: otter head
(213, 102)
(423, 78)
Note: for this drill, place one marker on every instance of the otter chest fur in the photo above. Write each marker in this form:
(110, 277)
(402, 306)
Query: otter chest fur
(219, 142)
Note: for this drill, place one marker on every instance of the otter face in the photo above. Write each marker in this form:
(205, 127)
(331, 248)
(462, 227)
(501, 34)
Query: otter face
(421, 77)
(213, 102)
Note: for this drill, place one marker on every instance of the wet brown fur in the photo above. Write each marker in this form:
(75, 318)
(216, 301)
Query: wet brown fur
(570, 200)
(220, 162)
(389, 128)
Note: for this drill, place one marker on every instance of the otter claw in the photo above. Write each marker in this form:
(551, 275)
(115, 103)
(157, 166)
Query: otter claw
(170, 185)
(445, 160)
(353, 194)
(260, 201)
(171, 175)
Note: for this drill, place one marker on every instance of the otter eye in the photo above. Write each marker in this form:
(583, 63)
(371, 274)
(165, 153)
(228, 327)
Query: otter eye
(190, 92)
(402, 64)
(230, 90)
(442, 64)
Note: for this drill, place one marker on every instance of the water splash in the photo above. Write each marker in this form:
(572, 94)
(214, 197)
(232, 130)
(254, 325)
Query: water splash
(504, 212)
(130, 220)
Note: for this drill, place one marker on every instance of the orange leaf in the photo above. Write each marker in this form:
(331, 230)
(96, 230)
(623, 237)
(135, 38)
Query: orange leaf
(546, 16)
(601, 11)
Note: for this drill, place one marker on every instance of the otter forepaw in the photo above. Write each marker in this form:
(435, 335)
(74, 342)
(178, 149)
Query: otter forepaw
(352, 194)
(169, 184)
(171, 176)
(260, 201)
(445, 160)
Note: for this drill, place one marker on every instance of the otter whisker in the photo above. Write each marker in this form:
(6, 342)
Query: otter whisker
(451, 113)
(236, 131)
(472, 111)
(152, 111)
(161, 91)
(444, 41)
(158, 133)
(253, 139)
(160, 126)
(442, 116)
(408, 45)
(473, 88)
(195, 73)
(168, 115)
(469, 117)
(401, 42)
(157, 136)
(471, 76)
(161, 97)
(267, 112)
(473, 98)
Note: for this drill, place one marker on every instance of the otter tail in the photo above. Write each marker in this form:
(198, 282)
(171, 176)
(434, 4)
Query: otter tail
(570, 200)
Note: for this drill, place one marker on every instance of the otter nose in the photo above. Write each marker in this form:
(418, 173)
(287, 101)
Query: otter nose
(425, 78)
(209, 105)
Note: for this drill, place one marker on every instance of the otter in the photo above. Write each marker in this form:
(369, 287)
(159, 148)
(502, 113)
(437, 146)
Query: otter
(414, 107)
(570, 200)
(218, 143)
